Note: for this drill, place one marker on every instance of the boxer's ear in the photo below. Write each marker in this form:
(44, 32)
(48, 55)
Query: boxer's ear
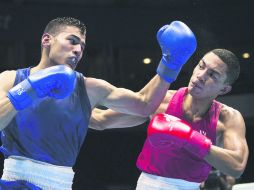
(46, 40)
(226, 89)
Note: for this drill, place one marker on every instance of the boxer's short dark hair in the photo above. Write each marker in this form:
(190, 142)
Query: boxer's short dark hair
(232, 62)
(56, 25)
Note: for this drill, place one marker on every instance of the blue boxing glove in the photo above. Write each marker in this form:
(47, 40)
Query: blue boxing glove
(177, 43)
(57, 82)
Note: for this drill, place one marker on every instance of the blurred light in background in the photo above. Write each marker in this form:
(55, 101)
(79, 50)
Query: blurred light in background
(246, 55)
(147, 61)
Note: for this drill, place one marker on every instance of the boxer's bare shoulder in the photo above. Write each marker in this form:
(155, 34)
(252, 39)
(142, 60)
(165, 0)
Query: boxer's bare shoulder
(230, 119)
(229, 115)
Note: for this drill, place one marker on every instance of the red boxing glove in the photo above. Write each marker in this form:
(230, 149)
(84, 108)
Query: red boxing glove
(167, 130)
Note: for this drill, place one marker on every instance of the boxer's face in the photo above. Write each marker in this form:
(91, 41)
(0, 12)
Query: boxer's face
(67, 47)
(208, 78)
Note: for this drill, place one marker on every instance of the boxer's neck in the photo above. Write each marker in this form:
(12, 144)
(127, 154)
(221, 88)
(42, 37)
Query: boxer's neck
(44, 63)
(195, 109)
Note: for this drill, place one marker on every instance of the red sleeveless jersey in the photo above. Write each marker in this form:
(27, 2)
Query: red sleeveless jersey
(173, 162)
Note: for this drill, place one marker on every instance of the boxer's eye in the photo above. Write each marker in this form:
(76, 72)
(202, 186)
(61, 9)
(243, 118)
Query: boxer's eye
(73, 41)
(201, 66)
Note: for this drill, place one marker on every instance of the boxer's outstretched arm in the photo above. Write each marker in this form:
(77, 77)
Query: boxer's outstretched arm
(232, 158)
(7, 111)
(122, 100)
(109, 119)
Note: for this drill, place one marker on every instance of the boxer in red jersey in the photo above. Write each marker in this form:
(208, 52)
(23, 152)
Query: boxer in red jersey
(190, 132)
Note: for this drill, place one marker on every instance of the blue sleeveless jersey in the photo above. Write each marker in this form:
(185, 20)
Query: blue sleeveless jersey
(50, 130)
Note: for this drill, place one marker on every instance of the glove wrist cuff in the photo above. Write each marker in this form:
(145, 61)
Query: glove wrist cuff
(167, 73)
(22, 95)
(198, 144)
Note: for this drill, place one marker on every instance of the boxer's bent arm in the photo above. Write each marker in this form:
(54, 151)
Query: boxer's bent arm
(109, 119)
(232, 158)
(142, 103)
(7, 111)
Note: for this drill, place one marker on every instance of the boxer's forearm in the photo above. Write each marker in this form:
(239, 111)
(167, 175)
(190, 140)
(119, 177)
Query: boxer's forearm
(109, 119)
(142, 103)
(227, 161)
(154, 93)
(7, 112)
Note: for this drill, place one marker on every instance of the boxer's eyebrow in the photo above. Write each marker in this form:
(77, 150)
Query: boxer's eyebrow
(79, 39)
(212, 69)
(203, 61)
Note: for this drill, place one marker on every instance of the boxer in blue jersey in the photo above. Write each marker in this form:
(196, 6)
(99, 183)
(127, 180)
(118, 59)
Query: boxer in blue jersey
(45, 110)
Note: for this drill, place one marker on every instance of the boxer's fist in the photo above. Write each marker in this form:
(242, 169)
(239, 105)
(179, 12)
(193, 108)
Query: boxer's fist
(57, 82)
(177, 43)
(166, 130)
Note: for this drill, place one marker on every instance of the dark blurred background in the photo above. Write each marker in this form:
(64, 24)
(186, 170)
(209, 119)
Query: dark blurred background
(120, 34)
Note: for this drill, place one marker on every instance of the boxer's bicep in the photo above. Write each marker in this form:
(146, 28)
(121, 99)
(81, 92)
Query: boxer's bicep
(234, 137)
(97, 90)
(231, 159)
(121, 100)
